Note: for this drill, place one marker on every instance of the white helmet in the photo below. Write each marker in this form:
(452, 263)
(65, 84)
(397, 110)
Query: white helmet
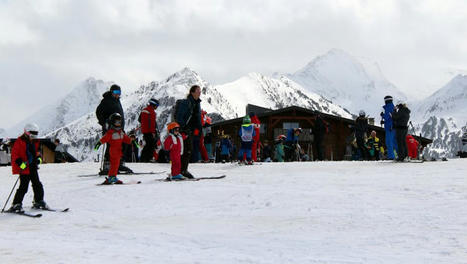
(31, 130)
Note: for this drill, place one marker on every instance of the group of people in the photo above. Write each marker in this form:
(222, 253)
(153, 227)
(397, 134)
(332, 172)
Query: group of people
(399, 144)
(189, 132)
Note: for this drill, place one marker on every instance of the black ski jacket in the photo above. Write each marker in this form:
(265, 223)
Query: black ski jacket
(401, 118)
(108, 106)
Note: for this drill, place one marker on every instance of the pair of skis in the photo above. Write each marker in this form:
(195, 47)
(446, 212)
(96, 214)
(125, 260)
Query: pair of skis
(170, 180)
(133, 173)
(32, 215)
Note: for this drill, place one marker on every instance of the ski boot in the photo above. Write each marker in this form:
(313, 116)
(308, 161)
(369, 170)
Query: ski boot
(16, 208)
(188, 175)
(178, 177)
(112, 180)
(40, 205)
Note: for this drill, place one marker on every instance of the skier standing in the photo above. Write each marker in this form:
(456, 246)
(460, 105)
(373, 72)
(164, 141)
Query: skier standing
(247, 133)
(115, 137)
(361, 127)
(255, 145)
(412, 146)
(188, 116)
(110, 104)
(149, 129)
(388, 126)
(401, 119)
(174, 144)
(25, 160)
(279, 149)
(291, 144)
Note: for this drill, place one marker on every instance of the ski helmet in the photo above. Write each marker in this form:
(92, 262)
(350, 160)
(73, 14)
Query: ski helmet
(246, 120)
(388, 99)
(154, 102)
(281, 137)
(361, 113)
(115, 120)
(31, 129)
(172, 125)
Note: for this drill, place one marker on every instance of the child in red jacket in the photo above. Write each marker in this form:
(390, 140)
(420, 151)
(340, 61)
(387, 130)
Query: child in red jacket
(412, 146)
(174, 143)
(25, 160)
(115, 137)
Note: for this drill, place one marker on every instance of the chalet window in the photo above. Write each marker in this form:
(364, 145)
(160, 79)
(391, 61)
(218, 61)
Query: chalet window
(288, 125)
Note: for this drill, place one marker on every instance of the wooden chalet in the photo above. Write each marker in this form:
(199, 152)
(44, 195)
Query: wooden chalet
(47, 150)
(277, 122)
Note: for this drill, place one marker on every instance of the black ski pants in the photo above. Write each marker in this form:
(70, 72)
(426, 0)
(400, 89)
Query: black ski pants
(187, 149)
(37, 187)
(149, 147)
(401, 133)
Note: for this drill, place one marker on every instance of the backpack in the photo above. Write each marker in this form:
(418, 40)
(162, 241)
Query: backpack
(176, 109)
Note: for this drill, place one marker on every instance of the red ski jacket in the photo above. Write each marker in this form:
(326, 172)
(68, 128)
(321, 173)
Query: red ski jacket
(19, 154)
(174, 144)
(115, 138)
(148, 120)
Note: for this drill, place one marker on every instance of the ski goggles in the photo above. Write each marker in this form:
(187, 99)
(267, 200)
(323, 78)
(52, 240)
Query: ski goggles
(32, 134)
(117, 92)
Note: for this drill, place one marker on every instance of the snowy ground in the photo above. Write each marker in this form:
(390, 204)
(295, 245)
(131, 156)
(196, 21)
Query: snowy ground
(322, 212)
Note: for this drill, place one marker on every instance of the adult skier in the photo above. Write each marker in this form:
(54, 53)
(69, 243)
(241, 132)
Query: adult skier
(256, 124)
(147, 118)
(386, 116)
(188, 116)
(110, 104)
(401, 119)
(361, 127)
(25, 160)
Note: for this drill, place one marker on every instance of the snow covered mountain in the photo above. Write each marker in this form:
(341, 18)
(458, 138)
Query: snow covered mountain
(82, 134)
(223, 101)
(442, 116)
(273, 93)
(356, 84)
(80, 101)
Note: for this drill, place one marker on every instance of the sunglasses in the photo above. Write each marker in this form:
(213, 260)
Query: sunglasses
(35, 133)
(117, 92)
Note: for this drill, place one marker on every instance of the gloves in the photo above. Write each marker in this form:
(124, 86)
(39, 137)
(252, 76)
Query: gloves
(136, 144)
(23, 165)
(39, 160)
(98, 144)
(196, 132)
(382, 122)
(381, 114)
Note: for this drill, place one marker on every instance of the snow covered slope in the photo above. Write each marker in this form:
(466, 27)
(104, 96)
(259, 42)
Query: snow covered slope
(274, 93)
(356, 84)
(442, 116)
(309, 212)
(82, 100)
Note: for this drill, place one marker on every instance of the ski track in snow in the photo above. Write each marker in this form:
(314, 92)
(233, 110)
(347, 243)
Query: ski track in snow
(314, 212)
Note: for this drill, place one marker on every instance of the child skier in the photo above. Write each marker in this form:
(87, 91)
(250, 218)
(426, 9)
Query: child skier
(246, 133)
(115, 137)
(412, 146)
(279, 152)
(174, 143)
(25, 159)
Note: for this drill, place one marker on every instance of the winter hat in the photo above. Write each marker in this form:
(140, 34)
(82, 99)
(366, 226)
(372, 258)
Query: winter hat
(251, 114)
(361, 113)
(388, 99)
(246, 120)
(115, 89)
(154, 102)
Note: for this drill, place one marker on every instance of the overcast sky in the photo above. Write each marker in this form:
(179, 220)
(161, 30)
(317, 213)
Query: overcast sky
(47, 47)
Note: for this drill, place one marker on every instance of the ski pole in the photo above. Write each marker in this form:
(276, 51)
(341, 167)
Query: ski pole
(12, 189)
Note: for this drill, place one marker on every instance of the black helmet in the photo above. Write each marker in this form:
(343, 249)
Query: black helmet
(115, 120)
(154, 102)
